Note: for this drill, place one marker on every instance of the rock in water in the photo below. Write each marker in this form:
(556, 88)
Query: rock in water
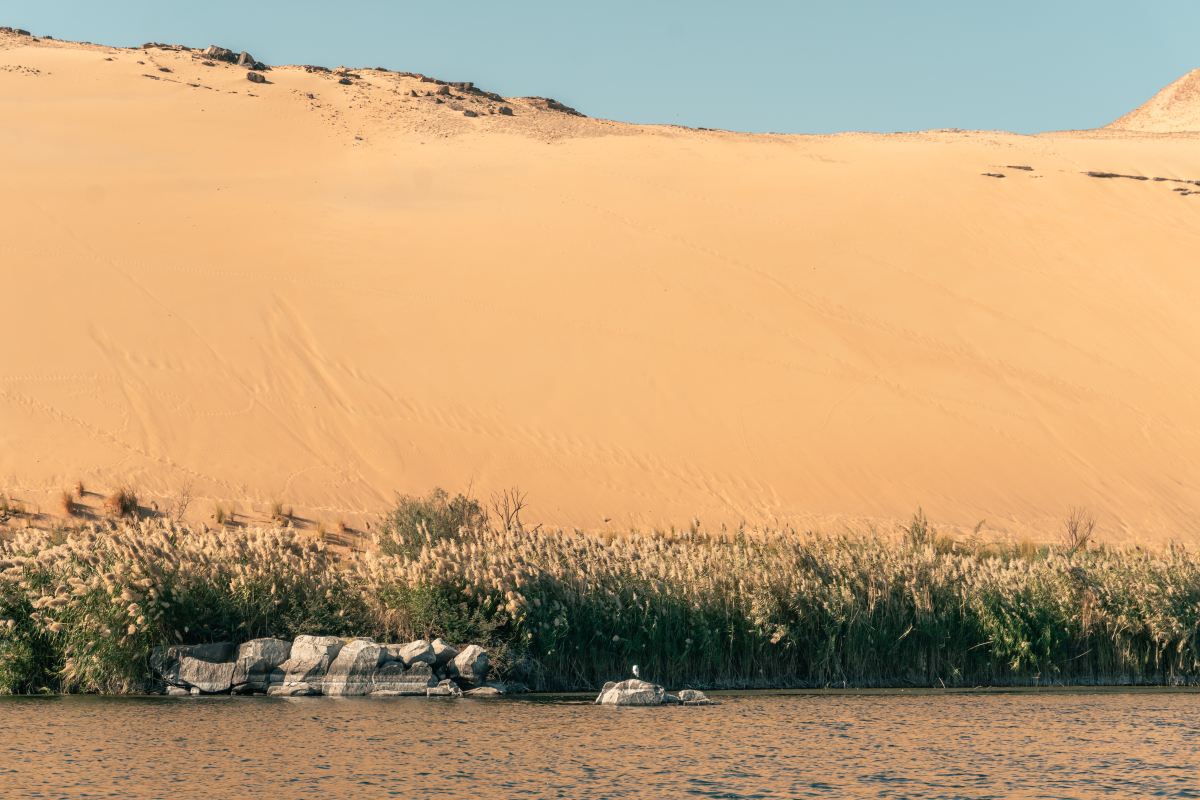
(604, 690)
(310, 648)
(469, 668)
(632, 693)
(446, 688)
(484, 691)
(207, 677)
(350, 674)
(694, 697)
(172, 691)
(254, 77)
(392, 679)
(256, 660)
(165, 660)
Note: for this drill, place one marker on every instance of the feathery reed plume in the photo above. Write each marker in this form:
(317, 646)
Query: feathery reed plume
(563, 610)
(67, 502)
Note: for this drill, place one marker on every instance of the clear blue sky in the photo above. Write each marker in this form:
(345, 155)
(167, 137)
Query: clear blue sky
(795, 67)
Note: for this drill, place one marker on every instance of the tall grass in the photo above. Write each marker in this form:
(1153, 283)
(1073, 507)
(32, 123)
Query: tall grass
(567, 610)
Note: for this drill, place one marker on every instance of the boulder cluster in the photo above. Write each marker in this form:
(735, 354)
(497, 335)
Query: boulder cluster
(242, 59)
(641, 693)
(325, 665)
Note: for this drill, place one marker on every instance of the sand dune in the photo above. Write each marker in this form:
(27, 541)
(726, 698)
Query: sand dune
(328, 293)
(1174, 109)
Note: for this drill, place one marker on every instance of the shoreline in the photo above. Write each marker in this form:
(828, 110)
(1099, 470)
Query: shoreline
(86, 610)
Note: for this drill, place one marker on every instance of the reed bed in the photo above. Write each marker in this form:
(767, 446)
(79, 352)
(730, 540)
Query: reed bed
(81, 610)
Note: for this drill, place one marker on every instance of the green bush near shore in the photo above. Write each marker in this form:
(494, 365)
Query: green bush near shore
(81, 611)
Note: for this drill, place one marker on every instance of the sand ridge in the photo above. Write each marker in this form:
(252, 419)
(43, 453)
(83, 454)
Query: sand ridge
(1175, 109)
(328, 293)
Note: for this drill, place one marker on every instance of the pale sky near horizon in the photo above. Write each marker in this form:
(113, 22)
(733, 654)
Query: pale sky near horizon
(791, 67)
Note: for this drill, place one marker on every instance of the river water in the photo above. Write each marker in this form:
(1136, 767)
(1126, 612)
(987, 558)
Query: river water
(894, 744)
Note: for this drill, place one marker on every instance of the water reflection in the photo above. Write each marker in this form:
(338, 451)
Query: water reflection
(753, 745)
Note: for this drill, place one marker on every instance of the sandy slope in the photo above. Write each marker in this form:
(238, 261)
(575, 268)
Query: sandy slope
(329, 293)
(1174, 109)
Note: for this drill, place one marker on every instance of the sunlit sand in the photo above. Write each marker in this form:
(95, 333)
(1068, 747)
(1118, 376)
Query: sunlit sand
(327, 293)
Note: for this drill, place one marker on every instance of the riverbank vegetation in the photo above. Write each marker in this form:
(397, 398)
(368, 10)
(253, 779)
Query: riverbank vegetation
(81, 609)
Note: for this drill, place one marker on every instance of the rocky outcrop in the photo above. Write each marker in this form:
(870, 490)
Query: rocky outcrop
(220, 54)
(325, 665)
(550, 104)
(255, 77)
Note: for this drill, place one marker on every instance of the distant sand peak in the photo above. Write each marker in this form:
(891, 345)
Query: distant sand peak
(1175, 108)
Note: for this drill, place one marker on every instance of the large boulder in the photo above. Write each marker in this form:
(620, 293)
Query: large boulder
(256, 660)
(350, 674)
(392, 679)
(244, 59)
(297, 678)
(469, 668)
(205, 676)
(311, 648)
(276, 651)
(443, 652)
(418, 652)
(632, 693)
(221, 54)
(254, 77)
(165, 660)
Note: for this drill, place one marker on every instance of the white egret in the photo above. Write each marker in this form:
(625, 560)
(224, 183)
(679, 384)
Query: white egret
(636, 673)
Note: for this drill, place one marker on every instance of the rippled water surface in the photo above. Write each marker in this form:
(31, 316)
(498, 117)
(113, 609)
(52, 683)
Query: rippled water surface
(1055, 745)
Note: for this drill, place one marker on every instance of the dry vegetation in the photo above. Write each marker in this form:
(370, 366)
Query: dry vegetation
(81, 609)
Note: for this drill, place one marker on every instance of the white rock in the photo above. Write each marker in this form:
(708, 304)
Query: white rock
(310, 648)
(394, 679)
(469, 668)
(443, 652)
(205, 676)
(350, 674)
(632, 693)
